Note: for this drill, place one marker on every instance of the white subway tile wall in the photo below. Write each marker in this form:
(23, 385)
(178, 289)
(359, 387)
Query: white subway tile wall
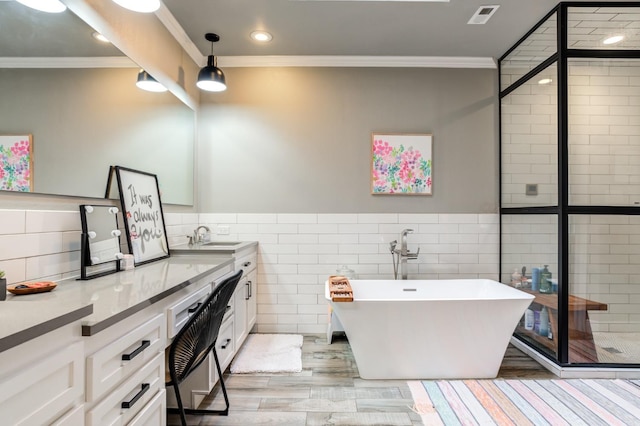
(297, 252)
(529, 144)
(604, 132)
(604, 265)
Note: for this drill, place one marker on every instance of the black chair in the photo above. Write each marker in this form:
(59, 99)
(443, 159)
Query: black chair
(196, 340)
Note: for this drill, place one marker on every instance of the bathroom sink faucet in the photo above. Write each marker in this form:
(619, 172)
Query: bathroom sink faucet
(401, 255)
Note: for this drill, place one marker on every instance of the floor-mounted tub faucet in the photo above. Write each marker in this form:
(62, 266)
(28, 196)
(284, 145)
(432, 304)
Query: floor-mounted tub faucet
(401, 255)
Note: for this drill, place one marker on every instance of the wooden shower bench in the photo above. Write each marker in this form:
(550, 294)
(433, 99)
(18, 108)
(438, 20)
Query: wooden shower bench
(582, 348)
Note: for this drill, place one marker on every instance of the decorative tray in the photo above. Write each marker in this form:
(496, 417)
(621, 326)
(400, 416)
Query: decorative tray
(340, 289)
(30, 288)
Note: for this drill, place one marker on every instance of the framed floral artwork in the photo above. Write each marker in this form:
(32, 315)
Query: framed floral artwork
(401, 164)
(16, 163)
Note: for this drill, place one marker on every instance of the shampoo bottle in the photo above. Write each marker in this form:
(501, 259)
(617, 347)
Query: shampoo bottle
(545, 280)
(528, 319)
(544, 322)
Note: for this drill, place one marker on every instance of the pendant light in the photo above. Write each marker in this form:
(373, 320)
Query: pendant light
(148, 83)
(211, 78)
(49, 6)
(143, 6)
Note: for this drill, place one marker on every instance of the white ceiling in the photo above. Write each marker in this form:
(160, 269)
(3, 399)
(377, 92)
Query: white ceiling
(412, 30)
(357, 28)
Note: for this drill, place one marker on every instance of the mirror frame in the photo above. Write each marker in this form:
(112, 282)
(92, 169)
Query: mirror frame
(88, 269)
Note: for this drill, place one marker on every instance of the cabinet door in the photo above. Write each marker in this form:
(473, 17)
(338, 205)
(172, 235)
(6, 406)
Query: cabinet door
(252, 305)
(240, 312)
(45, 390)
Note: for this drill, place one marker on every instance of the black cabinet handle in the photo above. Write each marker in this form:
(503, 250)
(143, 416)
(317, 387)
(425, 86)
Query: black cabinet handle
(226, 343)
(248, 296)
(128, 404)
(246, 264)
(194, 308)
(144, 345)
(250, 289)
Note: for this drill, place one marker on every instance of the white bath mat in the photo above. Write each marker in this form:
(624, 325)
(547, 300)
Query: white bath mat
(269, 353)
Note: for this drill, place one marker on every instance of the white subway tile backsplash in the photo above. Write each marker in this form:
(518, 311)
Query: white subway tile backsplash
(337, 218)
(15, 270)
(52, 221)
(377, 218)
(12, 222)
(257, 218)
(297, 218)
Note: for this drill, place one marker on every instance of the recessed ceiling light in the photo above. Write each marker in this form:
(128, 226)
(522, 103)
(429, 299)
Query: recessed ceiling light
(545, 81)
(613, 39)
(50, 6)
(143, 6)
(100, 37)
(261, 36)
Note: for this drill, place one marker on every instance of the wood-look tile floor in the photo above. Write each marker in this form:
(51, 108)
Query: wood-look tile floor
(328, 391)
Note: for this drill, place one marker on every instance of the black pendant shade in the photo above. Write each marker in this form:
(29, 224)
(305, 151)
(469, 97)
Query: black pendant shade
(211, 78)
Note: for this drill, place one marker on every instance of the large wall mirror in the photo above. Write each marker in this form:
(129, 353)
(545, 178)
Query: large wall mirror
(78, 100)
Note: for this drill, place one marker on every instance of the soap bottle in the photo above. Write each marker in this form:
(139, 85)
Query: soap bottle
(535, 279)
(528, 319)
(544, 322)
(545, 280)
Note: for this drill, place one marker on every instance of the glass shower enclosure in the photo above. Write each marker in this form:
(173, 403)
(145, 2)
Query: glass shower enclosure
(570, 182)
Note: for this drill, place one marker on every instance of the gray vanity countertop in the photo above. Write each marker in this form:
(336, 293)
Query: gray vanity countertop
(213, 247)
(103, 301)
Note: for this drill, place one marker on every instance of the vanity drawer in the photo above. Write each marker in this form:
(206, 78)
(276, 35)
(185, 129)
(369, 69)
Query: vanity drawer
(225, 346)
(131, 397)
(247, 263)
(72, 418)
(154, 413)
(44, 390)
(179, 313)
(119, 359)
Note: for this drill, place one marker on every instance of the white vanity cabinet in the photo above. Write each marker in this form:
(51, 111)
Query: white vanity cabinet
(125, 368)
(42, 380)
(245, 295)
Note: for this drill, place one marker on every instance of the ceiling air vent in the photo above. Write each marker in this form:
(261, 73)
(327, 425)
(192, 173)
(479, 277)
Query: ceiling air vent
(483, 14)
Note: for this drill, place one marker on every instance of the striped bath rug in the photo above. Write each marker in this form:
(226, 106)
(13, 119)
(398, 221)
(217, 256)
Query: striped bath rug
(552, 402)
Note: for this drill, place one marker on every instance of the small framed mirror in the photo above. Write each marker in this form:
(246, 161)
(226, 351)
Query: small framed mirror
(100, 241)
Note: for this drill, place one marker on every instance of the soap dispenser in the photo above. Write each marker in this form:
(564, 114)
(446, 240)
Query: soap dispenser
(545, 280)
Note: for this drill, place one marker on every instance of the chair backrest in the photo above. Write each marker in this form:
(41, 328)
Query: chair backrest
(195, 340)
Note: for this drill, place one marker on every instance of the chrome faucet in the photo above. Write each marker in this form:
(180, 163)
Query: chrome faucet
(401, 255)
(197, 236)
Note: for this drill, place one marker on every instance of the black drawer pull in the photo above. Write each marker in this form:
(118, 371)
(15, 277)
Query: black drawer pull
(128, 357)
(128, 404)
(248, 296)
(250, 289)
(194, 308)
(246, 264)
(226, 343)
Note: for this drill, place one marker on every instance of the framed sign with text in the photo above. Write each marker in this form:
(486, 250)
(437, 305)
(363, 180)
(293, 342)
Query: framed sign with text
(143, 216)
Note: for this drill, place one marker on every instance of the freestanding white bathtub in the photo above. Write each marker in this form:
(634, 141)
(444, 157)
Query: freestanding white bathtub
(430, 329)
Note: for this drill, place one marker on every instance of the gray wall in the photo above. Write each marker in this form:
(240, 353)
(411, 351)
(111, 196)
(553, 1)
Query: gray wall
(298, 139)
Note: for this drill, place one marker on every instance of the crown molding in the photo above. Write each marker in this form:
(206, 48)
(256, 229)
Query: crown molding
(176, 30)
(62, 62)
(357, 61)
